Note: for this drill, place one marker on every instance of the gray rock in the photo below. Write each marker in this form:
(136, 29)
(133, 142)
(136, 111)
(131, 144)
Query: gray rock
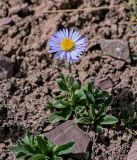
(116, 48)
(132, 155)
(6, 67)
(105, 83)
(69, 131)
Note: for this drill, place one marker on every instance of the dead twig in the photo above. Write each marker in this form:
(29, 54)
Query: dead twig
(90, 8)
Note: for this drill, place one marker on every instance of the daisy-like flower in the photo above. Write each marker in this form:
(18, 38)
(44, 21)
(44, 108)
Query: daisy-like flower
(67, 44)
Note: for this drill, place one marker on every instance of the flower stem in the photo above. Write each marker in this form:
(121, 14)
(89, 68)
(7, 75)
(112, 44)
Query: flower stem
(69, 67)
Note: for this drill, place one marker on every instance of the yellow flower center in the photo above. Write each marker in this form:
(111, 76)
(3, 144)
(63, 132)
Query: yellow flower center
(67, 44)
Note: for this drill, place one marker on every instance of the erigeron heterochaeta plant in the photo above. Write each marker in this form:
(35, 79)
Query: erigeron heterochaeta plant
(87, 104)
(128, 118)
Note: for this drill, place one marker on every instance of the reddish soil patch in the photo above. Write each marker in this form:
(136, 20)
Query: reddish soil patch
(24, 40)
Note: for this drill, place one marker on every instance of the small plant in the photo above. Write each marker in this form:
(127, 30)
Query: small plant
(37, 148)
(134, 14)
(70, 97)
(128, 117)
(95, 111)
(87, 104)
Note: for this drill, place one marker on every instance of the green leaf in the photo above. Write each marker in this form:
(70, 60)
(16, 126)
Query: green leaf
(85, 87)
(99, 129)
(55, 104)
(76, 85)
(109, 101)
(42, 144)
(39, 157)
(50, 105)
(69, 81)
(58, 105)
(104, 106)
(84, 120)
(89, 87)
(100, 94)
(108, 120)
(59, 97)
(17, 149)
(50, 147)
(65, 148)
(62, 84)
(90, 97)
(91, 112)
(59, 116)
(62, 77)
(23, 149)
(20, 155)
(79, 110)
(27, 139)
(80, 95)
(28, 150)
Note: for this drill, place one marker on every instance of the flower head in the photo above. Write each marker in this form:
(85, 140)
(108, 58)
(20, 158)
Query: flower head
(67, 44)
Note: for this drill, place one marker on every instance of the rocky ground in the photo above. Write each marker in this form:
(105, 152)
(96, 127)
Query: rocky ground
(26, 87)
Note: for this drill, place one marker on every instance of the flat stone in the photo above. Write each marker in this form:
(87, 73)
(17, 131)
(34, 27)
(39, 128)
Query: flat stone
(116, 48)
(69, 131)
(5, 21)
(6, 67)
(104, 84)
(132, 155)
